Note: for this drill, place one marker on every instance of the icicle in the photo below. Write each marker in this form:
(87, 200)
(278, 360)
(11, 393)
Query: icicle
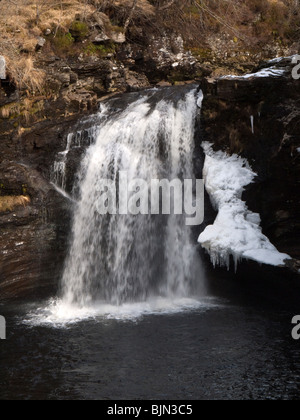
(252, 123)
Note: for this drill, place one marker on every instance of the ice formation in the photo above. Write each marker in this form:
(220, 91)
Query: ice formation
(236, 231)
(268, 72)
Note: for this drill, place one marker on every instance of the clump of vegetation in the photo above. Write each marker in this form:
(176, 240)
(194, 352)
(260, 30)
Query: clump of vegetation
(100, 50)
(116, 28)
(122, 13)
(202, 53)
(63, 41)
(79, 30)
(24, 74)
(25, 111)
(177, 76)
(10, 203)
(10, 111)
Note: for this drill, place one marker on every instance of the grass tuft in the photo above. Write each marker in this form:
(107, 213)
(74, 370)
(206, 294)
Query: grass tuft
(10, 203)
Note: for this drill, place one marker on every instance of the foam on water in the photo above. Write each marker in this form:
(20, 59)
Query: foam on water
(59, 314)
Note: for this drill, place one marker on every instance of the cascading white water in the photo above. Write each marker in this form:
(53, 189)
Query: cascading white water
(126, 258)
(59, 168)
(74, 140)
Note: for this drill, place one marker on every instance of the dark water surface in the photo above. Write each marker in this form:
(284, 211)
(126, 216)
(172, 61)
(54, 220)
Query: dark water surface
(241, 349)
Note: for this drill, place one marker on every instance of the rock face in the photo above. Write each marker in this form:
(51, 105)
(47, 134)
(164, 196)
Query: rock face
(32, 243)
(33, 239)
(259, 118)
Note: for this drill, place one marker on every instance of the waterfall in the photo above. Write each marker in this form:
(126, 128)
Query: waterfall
(59, 168)
(124, 266)
(75, 140)
(126, 258)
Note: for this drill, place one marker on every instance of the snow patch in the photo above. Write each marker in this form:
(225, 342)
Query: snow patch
(269, 72)
(236, 231)
(279, 59)
(252, 123)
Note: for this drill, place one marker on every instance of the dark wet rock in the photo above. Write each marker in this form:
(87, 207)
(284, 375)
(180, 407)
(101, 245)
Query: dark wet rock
(33, 239)
(72, 167)
(294, 265)
(136, 81)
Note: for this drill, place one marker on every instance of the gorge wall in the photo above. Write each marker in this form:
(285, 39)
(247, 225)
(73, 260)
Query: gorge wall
(102, 61)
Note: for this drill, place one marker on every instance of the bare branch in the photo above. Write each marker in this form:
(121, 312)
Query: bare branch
(166, 6)
(130, 16)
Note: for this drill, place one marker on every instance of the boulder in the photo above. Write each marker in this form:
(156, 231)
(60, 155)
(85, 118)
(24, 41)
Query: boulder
(135, 81)
(100, 38)
(118, 37)
(40, 43)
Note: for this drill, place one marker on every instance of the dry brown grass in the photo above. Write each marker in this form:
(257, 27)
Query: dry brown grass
(255, 22)
(24, 111)
(126, 12)
(21, 22)
(10, 203)
(31, 17)
(10, 110)
(25, 75)
(251, 21)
